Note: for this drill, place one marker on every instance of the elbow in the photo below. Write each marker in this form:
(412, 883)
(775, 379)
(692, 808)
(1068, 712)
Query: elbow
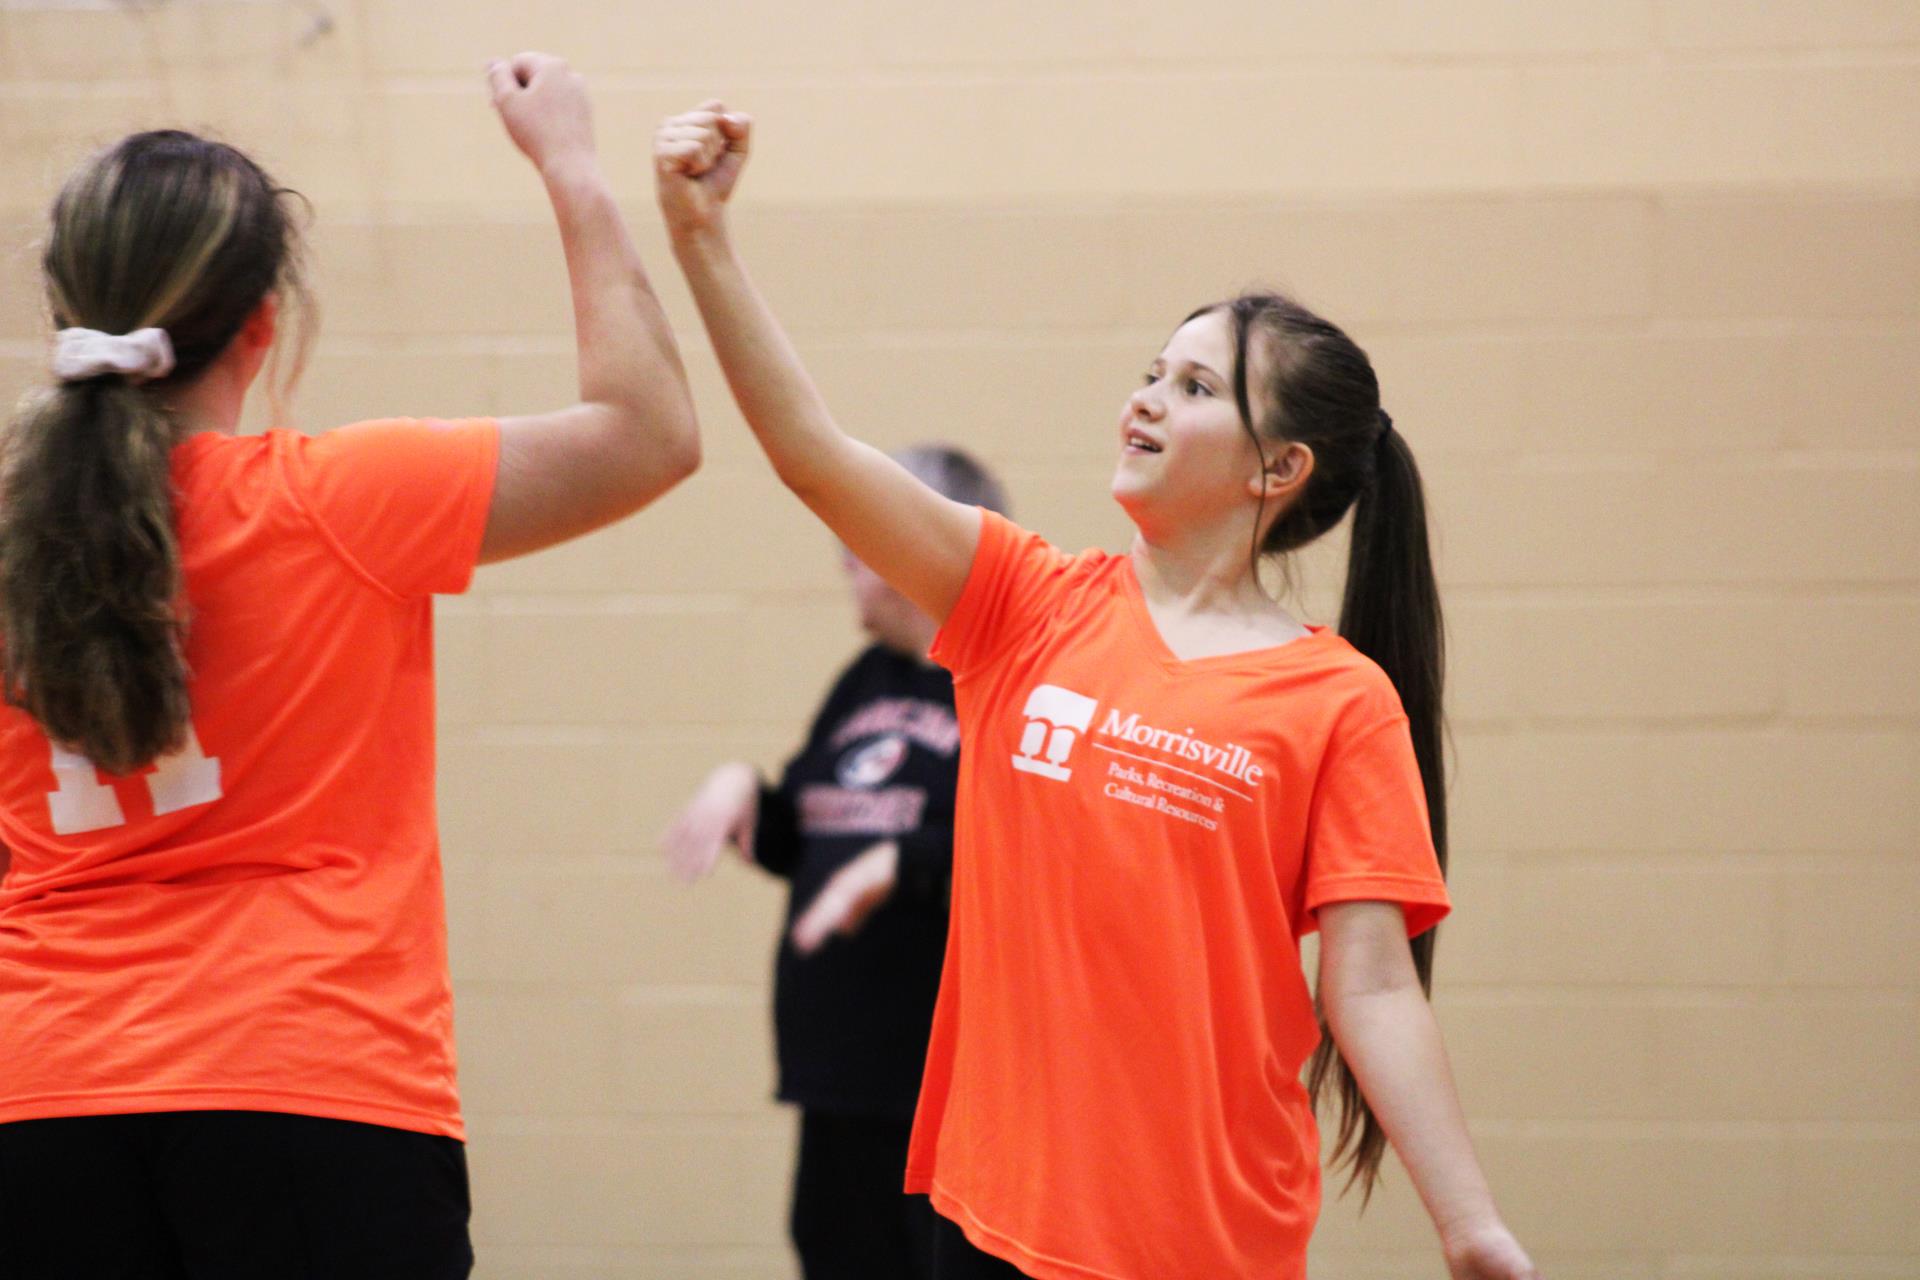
(673, 442)
(653, 452)
(799, 480)
(803, 471)
(683, 452)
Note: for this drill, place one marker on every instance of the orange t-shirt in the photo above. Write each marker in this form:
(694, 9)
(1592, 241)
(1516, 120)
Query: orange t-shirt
(256, 923)
(1113, 1084)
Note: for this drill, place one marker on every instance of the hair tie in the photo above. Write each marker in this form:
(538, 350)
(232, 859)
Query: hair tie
(140, 356)
(1386, 425)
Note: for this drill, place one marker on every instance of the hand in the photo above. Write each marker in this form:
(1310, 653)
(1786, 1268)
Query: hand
(723, 811)
(543, 103)
(848, 897)
(697, 159)
(1488, 1253)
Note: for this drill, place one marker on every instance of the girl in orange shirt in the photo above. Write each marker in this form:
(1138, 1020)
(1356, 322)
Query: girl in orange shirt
(223, 980)
(1166, 781)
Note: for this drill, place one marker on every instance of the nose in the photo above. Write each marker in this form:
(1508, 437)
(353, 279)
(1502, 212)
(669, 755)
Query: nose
(1143, 403)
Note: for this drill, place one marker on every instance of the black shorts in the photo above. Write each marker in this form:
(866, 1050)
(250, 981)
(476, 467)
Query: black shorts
(851, 1220)
(230, 1195)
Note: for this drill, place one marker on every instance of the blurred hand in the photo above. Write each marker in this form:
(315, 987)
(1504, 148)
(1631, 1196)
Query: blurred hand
(543, 103)
(722, 812)
(848, 897)
(697, 159)
(1488, 1252)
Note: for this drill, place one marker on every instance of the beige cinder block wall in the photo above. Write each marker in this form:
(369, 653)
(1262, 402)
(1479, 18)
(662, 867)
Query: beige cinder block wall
(1643, 282)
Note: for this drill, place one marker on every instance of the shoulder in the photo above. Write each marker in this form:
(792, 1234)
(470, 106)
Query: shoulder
(1356, 686)
(229, 471)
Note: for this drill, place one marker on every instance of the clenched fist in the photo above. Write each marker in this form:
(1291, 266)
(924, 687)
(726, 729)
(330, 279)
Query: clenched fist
(543, 103)
(697, 159)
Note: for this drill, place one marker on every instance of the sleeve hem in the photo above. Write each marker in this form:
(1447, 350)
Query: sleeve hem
(998, 539)
(480, 500)
(1423, 902)
(946, 638)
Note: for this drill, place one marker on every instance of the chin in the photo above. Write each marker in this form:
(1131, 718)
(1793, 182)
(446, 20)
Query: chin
(1128, 490)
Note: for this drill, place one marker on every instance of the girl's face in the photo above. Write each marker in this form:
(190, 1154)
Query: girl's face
(1185, 457)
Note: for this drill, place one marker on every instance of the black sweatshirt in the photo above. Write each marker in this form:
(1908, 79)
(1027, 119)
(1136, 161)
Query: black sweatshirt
(880, 763)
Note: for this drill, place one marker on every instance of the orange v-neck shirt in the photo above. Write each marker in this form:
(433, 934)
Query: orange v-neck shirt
(1113, 1083)
(256, 923)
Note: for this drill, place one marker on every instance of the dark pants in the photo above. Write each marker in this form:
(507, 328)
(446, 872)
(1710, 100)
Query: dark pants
(851, 1220)
(230, 1195)
(956, 1258)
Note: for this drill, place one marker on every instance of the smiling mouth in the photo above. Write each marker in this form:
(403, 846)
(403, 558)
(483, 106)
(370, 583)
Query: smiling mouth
(1138, 443)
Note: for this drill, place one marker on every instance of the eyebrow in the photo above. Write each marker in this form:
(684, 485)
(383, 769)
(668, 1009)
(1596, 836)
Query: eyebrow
(1193, 364)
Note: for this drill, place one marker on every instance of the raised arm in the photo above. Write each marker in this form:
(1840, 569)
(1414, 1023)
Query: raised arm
(1386, 1032)
(633, 434)
(919, 541)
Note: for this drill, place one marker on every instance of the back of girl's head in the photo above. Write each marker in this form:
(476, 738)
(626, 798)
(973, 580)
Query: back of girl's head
(1298, 378)
(164, 231)
(954, 473)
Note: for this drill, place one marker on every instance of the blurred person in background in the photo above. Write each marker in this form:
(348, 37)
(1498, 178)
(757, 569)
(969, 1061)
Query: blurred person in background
(860, 825)
(226, 1021)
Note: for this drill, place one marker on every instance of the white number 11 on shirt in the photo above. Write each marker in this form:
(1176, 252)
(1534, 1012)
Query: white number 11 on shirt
(82, 802)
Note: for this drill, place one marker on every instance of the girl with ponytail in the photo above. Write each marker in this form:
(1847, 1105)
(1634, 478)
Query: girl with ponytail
(226, 1031)
(1166, 782)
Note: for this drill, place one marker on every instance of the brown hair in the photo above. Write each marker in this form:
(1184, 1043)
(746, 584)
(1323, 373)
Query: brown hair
(1320, 389)
(164, 230)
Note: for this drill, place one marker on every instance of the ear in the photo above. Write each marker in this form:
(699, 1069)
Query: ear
(258, 331)
(1286, 473)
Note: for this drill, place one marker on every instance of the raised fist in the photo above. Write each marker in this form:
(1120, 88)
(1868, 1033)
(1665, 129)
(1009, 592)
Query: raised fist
(697, 159)
(543, 103)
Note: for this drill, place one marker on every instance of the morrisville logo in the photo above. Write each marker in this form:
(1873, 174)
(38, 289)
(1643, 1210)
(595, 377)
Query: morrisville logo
(1233, 760)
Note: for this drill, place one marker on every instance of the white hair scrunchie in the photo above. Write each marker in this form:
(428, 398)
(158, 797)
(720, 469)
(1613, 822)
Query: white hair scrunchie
(140, 356)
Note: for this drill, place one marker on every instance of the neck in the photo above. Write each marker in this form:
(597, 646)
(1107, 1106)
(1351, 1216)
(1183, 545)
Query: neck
(211, 402)
(1200, 570)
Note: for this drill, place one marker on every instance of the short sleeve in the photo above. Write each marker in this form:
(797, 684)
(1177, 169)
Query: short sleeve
(1007, 593)
(1368, 835)
(404, 501)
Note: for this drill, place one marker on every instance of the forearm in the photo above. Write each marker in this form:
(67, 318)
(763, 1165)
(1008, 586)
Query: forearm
(776, 396)
(1391, 1042)
(920, 542)
(629, 364)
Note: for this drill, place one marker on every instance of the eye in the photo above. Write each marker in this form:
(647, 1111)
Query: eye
(1195, 387)
(1149, 378)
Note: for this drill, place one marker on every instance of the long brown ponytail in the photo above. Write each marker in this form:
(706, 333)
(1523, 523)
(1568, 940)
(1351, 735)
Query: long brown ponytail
(164, 230)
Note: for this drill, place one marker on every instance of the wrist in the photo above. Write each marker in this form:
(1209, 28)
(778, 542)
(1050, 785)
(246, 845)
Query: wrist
(1462, 1230)
(572, 168)
(706, 241)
